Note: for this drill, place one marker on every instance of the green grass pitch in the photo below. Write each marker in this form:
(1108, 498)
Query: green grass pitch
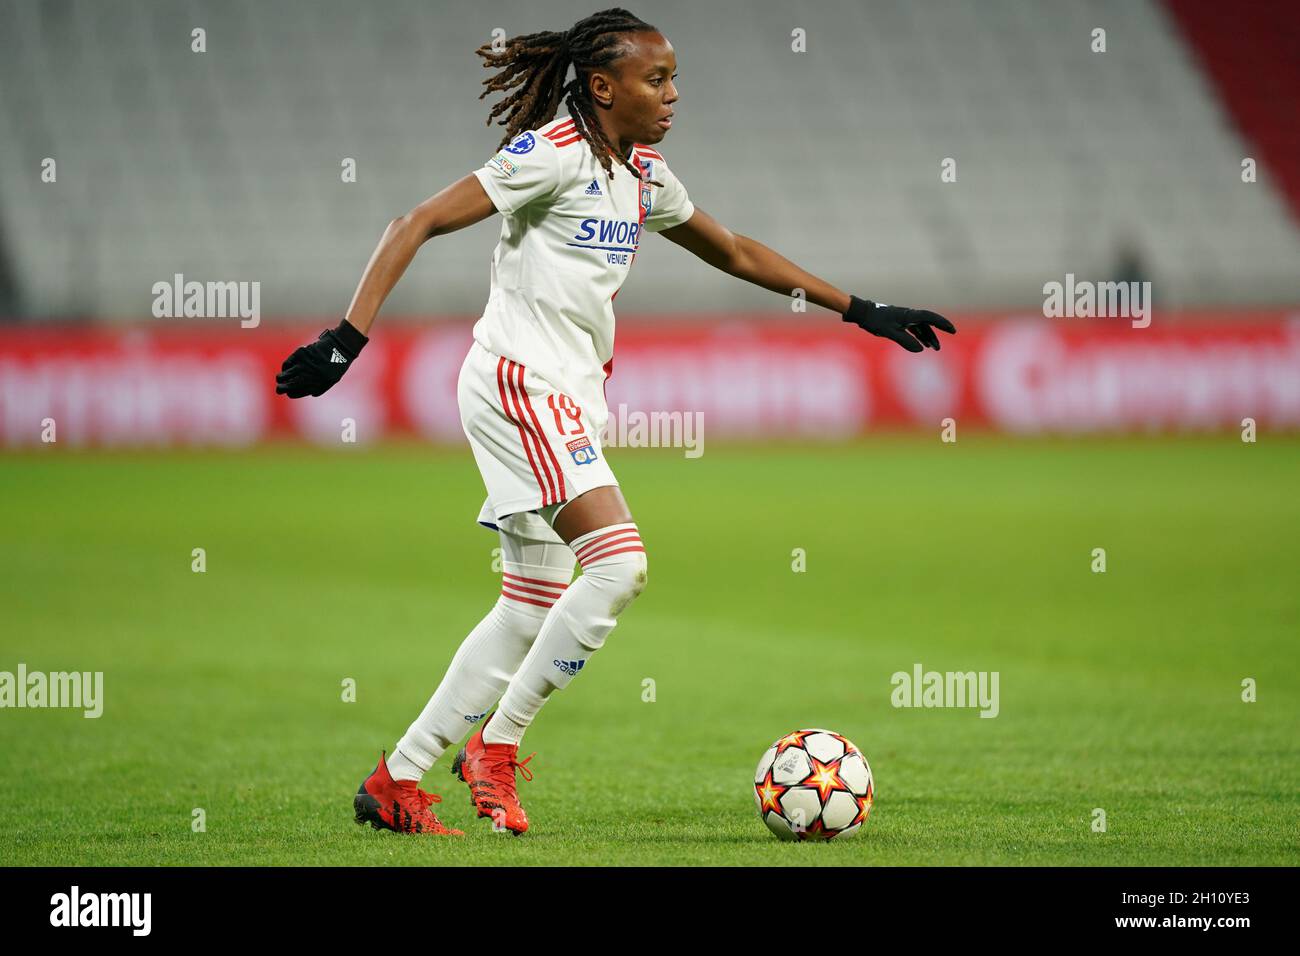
(1120, 691)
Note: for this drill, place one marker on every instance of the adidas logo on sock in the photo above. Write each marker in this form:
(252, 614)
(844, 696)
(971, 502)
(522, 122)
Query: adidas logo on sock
(337, 358)
(569, 667)
(594, 189)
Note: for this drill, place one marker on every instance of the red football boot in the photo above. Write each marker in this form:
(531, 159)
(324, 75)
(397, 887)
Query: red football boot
(397, 805)
(489, 769)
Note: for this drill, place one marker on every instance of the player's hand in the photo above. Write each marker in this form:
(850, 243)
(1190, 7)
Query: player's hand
(314, 369)
(913, 329)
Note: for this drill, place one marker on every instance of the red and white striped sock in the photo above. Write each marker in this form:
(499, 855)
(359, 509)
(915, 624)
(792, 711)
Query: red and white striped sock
(534, 575)
(613, 563)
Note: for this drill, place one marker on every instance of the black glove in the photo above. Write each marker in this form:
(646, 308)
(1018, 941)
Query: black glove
(314, 369)
(899, 324)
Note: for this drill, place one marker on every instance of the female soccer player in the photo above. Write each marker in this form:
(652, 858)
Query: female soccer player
(576, 193)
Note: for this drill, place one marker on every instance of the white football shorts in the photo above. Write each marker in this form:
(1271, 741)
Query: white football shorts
(535, 448)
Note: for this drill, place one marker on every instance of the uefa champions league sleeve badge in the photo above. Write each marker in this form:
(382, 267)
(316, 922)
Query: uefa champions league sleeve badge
(523, 143)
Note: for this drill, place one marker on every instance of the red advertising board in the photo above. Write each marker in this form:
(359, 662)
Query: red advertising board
(810, 377)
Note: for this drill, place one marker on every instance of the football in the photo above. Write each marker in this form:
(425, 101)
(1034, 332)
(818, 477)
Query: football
(813, 785)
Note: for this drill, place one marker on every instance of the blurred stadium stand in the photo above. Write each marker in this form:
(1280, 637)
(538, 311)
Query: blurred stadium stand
(225, 165)
(1252, 52)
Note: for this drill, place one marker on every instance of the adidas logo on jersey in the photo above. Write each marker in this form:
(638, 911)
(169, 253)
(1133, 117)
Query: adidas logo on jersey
(569, 667)
(337, 358)
(594, 189)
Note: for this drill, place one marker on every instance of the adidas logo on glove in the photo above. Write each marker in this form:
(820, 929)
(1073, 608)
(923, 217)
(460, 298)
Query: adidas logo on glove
(337, 358)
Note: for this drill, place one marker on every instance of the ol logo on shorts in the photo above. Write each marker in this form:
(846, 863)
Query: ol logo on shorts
(581, 450)
(523, 143)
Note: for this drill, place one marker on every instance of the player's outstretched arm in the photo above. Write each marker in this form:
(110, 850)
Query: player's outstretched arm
(754, 262)
(314, 369)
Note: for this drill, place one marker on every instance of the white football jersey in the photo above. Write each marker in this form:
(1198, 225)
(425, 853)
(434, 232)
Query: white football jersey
(568, 237)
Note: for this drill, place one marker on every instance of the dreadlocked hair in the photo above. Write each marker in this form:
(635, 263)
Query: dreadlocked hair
(536, 63)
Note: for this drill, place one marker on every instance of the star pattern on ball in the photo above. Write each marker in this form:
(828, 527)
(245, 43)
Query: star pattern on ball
(791, 740)
(817, 831)
(770, 794)
(824, 780)
(825, 777)
(864, 808)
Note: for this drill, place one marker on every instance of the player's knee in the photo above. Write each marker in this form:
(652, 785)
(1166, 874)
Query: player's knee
(614, 560)
(637, 572)
(622, 579)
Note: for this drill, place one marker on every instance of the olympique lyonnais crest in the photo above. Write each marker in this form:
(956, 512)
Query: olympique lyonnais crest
(645, 188)
(581, 450)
